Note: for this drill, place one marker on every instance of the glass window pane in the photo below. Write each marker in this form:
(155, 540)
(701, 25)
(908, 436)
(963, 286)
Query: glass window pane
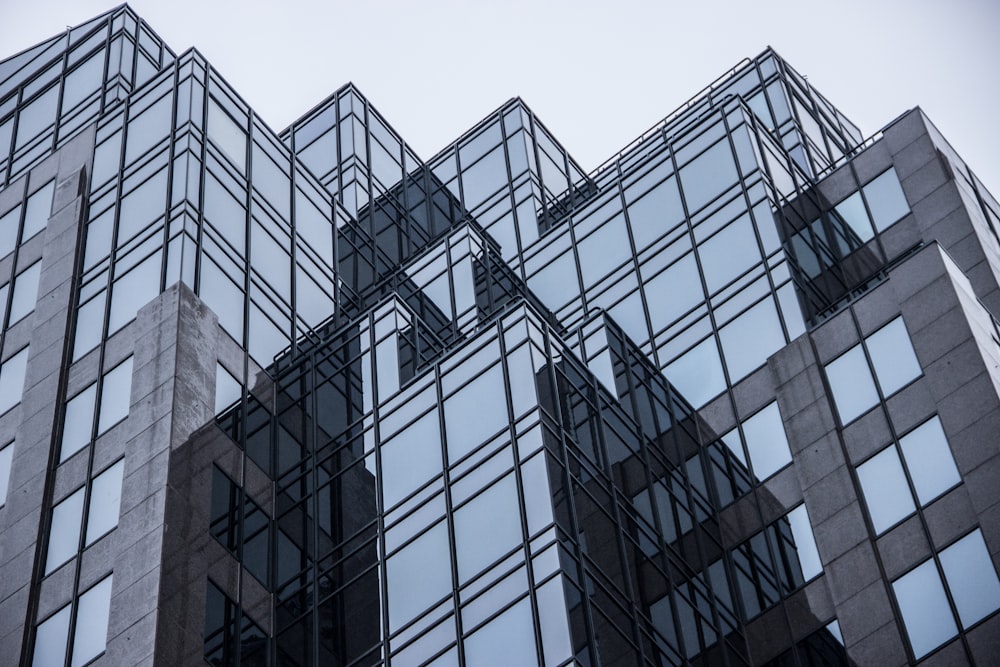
(766, 441)
(133, 291)
(78, 422)
(655, 213)
(972, 578)
(852, 211)
(25, 292)
(105, 501)
(928, 458)
(9, 223)
(410, 458)
(851, 383)
(892, 356)
(487, 527)
(805, 542)
(228, 135)
(115, 395)
(50, 640)
(698, 373)
(6, 455)
(674, 292)
(509, 639)
(925, 610)
(886, 492)
(12, 380)
(751, 338)
(474, 413)
(729, 253)
(708, 175)
(92, 613)
(227, 389)
(886, 199)
(418, 576)
(64, 532)
(38, 208)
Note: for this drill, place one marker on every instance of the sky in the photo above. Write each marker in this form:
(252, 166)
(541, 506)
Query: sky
(597, 73)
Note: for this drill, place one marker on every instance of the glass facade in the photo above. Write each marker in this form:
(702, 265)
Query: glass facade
(304, 398)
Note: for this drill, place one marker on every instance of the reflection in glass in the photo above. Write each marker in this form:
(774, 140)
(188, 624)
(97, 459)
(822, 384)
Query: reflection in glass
(410, 458)
(698, 373)
(418, 576)
(474, 413)
(886, 199)
(972, 578)
(509, 639)
(926, 615)
(729, 253)
(892, 356)
(928, 458)
(751, 338)
(487, 527)
(886, 492)
(851, 383)
(852, 210)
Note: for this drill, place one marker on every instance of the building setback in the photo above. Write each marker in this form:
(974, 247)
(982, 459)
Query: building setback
(303, 398)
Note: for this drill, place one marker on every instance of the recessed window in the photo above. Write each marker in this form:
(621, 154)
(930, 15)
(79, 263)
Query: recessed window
(6, 456)
(924, 607)
(105, 502)
(928, 460)
(972, 578)
(93, 609)
(78, 422)
(116, 388)
(851, 382)
(805, 542)
(766, 442)
(886, 199)
(37, 210)
(64, 531)
(892, 356)
(12, 380)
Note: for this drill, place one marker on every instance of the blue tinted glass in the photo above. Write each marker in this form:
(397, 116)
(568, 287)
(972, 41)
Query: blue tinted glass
(886, 492)
(851, 383)
(708, 175)
(971, 577)
(929, 460)
(892, 356)
(487, 527)
(418, 576)
(926, 615)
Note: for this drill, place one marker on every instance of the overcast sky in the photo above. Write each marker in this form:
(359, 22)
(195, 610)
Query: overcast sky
(598, 73)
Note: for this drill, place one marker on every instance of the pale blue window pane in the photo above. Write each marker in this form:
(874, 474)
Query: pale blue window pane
(411, 458)
(474, 413)
(766, 442)
(148, 129)
(37, 210)
(89, 326)
(115, 395)
(851, 383)
(698, 373)
(886, 199)
(929, 460)
(92, 612)
(227, 135)
(892, 356)
(556, 283)
(25, 292)
(674, 292)
(105, 502)
(265, 338)
(557, 644)
(604, 250)
(751, 338)
(852, 210)
(926, 615)
(487, 527)
(655, 213)
(886, 492)
(12, 380)
(9, 223)
(708, 175)
(50, 639)
(134, 290)
(6, 455)
(83, 81)
(142, 206)
(418, 576)
(64, 532)
(227, 389)
(223, 297)
(509, 639)
(805, 542)
(37, 116)
(729, 253)
(972, 578)
(78, 422)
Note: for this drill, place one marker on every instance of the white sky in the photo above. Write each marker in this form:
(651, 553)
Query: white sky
(598, 73)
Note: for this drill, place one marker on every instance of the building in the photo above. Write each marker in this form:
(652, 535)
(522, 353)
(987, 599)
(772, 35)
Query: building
(302, 398)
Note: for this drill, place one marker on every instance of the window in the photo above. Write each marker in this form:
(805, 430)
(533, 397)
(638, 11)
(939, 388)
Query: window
(894, 363)
(37, 210)
(93, 609)
(766, 442)
(12, 380)
(116, 388)
(971, 579)
(67, 517)
(6, 456)
(25, 293)
(931, 469)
